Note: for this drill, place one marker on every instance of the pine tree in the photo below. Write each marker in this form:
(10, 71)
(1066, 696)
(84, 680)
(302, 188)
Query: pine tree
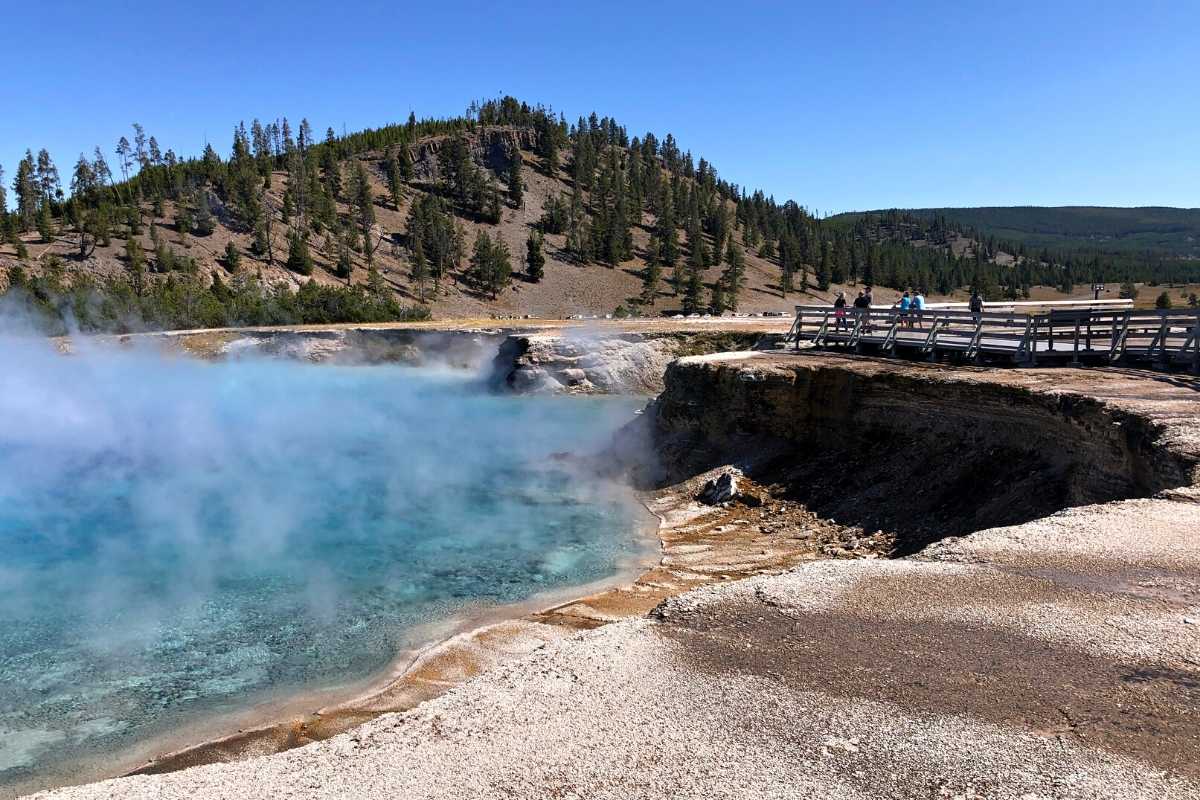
(364, 204)
(47, 177)
(664, 232)
(717, 301)
(135, 261)
(419, 271)
(491, 265)
(406, 165)
(516, 186)
(27, 193)
(651, 277)
(395, 180)
(500, 275)
(45, 224)
(734, 274)
(345, 263)
(376, 285)
(233, 258)
(97, 222)
(535, 258)
(678, 273)
(183, 223)
(823, 271)
(205, 223)
(124, 156)
(83, 181)
(259, 246)
(697, 259)
(548, 143)
(554, 215)
(579, 239)
(492, 211)
(299, 260)
(432, 228)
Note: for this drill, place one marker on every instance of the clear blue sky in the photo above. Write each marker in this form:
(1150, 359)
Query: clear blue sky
(874, 105)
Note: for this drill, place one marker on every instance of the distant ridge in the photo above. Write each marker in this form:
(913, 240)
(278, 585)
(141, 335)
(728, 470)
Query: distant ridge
(1162, 229)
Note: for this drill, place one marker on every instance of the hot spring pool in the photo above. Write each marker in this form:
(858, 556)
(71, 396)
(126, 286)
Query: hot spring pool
(180, 539)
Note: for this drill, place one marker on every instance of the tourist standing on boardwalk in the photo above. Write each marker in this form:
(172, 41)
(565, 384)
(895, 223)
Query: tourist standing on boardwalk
(862, 305)
(839, 310)
(976, 304)
(905, 305)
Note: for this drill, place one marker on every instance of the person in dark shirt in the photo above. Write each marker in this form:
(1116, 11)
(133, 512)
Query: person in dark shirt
(976, 304)
(839, 310)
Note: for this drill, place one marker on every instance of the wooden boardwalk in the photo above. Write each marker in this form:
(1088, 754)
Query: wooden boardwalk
(1169, 338)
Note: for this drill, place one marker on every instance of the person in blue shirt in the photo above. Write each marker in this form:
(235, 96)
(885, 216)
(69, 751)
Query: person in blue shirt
(918, 304)
(905, 305)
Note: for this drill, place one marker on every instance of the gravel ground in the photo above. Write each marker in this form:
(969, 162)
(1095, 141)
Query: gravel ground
(623, 713)
(955, 678)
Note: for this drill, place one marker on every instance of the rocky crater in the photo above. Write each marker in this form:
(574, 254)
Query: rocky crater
(920, 451)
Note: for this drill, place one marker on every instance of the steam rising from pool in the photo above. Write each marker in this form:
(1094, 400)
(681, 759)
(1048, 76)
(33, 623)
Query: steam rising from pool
(178, 538)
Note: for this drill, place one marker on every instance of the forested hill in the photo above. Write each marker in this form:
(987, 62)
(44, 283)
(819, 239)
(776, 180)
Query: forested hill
(1169, 231)
(506, 210)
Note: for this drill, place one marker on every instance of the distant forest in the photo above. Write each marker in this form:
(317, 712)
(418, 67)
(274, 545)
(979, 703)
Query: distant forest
(616, 182)
(1151, 229)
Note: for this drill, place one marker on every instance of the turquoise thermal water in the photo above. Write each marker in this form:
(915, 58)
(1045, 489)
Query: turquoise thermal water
(179, 538)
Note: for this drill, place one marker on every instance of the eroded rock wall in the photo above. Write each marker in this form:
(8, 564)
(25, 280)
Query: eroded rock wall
(924, 451)
(584, 363)
(467, 349)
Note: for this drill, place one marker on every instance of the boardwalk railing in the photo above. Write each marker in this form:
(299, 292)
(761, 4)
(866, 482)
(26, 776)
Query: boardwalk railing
(1073, 335)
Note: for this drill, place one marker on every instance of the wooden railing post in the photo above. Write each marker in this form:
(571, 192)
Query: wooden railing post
(1195, 346)
(1033, 344)
(931, 340)
(1075, 345)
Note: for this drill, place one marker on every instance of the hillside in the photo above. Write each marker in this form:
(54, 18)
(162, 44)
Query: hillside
(60, 263)
(437, 217)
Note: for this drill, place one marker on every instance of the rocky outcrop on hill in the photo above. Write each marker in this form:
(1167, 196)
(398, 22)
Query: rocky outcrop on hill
(492, 147)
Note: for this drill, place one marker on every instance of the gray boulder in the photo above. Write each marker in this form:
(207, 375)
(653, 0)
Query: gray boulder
(721, 489)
